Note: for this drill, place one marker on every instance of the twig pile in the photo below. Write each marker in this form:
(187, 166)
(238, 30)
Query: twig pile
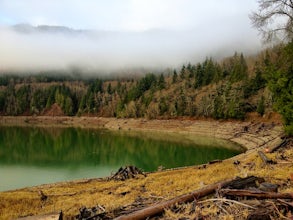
(127, 172)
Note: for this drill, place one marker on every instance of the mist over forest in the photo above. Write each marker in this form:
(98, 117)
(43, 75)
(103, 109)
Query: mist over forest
(33, 49)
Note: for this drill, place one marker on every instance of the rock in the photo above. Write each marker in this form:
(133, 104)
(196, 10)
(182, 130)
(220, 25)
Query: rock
(236, 162)
(90, 213)
(268, 187)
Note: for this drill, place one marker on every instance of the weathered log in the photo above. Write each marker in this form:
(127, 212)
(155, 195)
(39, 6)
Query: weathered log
(255, 194)
(264, 158)
(215, 161)
(242, 183)
(159, 208)
(282, 144)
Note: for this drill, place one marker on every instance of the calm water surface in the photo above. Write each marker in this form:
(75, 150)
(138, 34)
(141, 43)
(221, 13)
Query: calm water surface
(31, 156)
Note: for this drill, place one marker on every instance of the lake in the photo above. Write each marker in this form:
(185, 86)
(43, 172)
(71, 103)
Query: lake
(31, 156)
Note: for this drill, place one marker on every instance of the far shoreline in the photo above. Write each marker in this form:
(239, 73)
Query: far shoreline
(248, 134)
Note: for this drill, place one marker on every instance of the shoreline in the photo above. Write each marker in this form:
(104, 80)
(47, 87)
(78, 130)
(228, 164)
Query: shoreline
(248, 134)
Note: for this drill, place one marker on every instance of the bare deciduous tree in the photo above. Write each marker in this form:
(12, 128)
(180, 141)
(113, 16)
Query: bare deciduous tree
(274, 18)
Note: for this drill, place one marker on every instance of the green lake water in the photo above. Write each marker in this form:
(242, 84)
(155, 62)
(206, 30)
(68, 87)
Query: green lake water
(31, 156)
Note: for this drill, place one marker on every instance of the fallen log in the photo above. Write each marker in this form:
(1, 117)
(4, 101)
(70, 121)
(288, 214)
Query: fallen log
(160, 207)
(255, 194)
(215, 161)
(282, 144)
(241, 183)
(264, 158)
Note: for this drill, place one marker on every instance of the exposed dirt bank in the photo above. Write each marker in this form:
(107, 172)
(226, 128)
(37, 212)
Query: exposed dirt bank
(158, 186)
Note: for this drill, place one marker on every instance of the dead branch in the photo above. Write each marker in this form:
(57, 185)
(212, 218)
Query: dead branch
(282, 144)
(255, 194)
(286, 203)
(159, 208)
(127, 172)
(264, 158)
(227, 201)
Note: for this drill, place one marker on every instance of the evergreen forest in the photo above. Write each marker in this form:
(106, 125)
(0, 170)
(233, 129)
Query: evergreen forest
(230, 88)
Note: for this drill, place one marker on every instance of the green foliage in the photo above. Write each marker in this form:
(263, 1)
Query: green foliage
(199, 74)
(2, 100)
(206, 73)
(147, 82)
(289, 129)
(163, 106)
(161, 82)
(90, 103)
(182, 72)
(261, 106)
(4, 80)
(175, 76)
(96, 86)
(254, 84)
(228, 103)
(209, 71)
(236, 68)
(68, 106)
(38, 101)
(235, 109)
(82, 104)
(181, 103)
(143, 85)
(280, 81)
(109, 88)
(22, 99)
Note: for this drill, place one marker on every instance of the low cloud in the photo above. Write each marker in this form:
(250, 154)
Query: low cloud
(46, 48)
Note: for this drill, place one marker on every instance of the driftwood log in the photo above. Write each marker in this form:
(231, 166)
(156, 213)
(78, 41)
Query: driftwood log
(160, 207)
(264, 158)
(241, 183)
(255, 194)
(282, 144)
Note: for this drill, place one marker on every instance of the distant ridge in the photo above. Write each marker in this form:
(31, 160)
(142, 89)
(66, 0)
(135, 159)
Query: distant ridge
(27, 28)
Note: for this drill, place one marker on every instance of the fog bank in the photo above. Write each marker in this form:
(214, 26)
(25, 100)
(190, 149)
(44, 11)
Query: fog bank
(24, 48)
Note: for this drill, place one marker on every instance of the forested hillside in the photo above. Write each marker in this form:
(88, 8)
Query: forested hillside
(226, 89)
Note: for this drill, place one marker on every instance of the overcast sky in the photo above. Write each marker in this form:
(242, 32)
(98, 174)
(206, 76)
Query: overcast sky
(140, 33)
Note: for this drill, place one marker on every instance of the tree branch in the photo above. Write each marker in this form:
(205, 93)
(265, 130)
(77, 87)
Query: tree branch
(269, 11)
